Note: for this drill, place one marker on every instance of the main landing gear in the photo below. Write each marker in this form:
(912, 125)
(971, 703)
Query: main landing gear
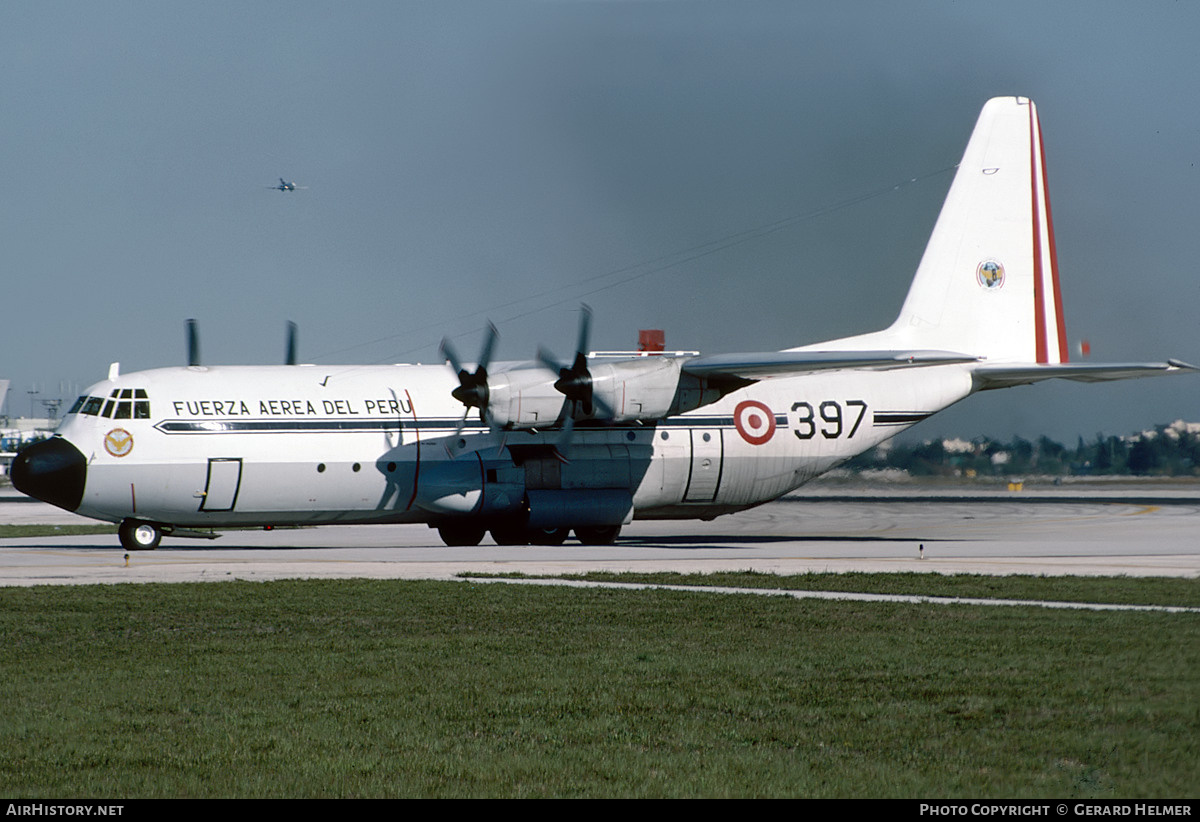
(466, 534)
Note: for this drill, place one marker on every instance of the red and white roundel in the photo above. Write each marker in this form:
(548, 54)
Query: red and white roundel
(754, 421)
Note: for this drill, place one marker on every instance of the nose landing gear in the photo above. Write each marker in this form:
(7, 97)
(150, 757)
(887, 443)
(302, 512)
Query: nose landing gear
(139, 536)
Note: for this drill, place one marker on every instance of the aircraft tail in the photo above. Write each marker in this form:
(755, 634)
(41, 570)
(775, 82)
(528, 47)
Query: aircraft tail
(986, 291)
(987, 284)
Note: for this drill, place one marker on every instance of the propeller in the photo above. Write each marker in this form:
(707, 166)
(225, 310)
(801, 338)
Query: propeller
(193, 344)
(575, 382)
(290, 357)
(472, 390)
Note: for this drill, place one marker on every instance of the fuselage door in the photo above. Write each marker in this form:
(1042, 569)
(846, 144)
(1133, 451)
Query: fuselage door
(707, 453)
(224, 480)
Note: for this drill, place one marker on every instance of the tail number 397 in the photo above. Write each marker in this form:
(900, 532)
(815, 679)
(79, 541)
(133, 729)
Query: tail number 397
(829, 418)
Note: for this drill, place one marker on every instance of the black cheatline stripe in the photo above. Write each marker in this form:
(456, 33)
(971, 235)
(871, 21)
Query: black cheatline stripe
(899, 417)
(276, 426)
(711, 422)
(296, 426)
(696, 422)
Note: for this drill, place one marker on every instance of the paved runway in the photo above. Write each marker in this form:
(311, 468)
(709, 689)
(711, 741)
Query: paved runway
(1122, 531)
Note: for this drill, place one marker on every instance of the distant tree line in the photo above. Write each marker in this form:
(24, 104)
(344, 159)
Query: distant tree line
(1168, 450)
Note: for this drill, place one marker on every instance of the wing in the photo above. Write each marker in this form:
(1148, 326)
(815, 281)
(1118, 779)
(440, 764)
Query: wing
(1001, 375)
(792, 363)
(986, 375)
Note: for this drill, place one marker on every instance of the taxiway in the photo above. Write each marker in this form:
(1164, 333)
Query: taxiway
(1114, 531)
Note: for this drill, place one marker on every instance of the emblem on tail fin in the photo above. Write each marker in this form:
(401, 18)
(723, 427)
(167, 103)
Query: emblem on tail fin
(990, 274)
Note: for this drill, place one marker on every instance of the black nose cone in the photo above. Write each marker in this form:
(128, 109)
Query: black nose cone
(53, 471)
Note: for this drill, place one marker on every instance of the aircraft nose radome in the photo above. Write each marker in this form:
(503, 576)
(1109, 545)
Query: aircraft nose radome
(53, 471)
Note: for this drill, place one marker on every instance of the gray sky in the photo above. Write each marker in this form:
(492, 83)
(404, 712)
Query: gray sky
(508, 160)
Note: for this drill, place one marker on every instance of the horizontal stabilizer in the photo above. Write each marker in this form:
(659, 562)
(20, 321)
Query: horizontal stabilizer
(1006, 375)
(791, 363)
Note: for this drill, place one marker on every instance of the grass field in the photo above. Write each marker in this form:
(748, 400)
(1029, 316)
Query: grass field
(14, 531)
(386, 688)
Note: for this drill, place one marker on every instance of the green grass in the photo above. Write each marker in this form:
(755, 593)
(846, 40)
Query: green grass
(386, 688)
(17, 531)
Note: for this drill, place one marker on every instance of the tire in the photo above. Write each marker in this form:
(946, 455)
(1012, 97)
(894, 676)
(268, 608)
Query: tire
(598, 534)
(548, 536)
(510, 535)
(460, 534)
(136, 535)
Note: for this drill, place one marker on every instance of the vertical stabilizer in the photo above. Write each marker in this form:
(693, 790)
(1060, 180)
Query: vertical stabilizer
(988, 282)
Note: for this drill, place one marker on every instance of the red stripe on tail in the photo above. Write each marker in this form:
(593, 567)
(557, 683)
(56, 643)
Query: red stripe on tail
(1060, 323)
(1039, 303)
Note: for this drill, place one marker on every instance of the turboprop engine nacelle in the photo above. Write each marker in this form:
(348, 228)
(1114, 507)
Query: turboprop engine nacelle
(646, 388)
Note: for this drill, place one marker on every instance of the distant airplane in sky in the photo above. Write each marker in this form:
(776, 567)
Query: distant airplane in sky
(284, 185)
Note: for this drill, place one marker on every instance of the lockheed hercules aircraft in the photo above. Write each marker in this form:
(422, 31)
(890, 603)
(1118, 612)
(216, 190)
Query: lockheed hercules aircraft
(533, 451)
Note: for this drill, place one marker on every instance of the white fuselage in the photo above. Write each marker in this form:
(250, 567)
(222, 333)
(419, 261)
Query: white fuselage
(221, 446)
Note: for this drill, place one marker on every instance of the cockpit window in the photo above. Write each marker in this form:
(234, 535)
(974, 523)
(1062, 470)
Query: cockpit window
(121, 404)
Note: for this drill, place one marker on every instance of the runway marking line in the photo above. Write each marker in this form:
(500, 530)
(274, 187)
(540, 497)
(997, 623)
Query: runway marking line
(844, 595)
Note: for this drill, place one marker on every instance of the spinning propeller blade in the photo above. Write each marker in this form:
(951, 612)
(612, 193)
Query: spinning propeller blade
(575, 383)
(193, 343)
(290, 356)
(472, 390)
